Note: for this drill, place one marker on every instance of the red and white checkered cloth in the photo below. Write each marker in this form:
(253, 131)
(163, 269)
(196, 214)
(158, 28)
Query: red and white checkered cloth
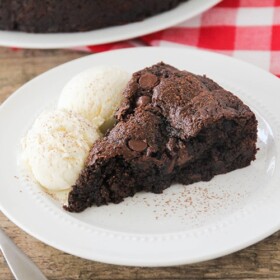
(245, 29)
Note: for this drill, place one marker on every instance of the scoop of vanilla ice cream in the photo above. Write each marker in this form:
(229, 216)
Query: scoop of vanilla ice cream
(57, 146)
(95, 93)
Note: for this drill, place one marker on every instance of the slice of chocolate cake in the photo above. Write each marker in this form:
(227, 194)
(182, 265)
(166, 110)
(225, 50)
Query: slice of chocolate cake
(173, 126)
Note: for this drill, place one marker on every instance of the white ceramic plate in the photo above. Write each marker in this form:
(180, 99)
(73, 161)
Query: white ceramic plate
(106, 35)
(185, 224)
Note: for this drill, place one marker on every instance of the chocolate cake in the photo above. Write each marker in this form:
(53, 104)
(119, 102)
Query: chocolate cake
(48, 16)
(173, 126)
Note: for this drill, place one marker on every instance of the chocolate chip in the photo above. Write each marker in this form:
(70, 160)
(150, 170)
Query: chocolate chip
(171, 145)
(183, 157)
(148, 80)
(137, 145)
(195, 177)
(171, 166)
(143, 100)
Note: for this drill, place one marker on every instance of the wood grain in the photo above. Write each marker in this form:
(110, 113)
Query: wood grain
(261, 261)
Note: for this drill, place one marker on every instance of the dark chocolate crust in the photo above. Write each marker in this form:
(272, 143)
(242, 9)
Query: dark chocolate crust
(48, 16)
(173, 126)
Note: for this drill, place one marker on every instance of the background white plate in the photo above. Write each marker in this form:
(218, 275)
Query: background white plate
(106, 35)
(185, 224)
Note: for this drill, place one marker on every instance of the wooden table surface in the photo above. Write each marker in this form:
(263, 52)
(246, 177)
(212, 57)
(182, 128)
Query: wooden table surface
(261, 261)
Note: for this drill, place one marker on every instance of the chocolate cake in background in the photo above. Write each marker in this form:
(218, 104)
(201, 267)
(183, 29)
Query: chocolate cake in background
(50, 16)
(173, 126)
